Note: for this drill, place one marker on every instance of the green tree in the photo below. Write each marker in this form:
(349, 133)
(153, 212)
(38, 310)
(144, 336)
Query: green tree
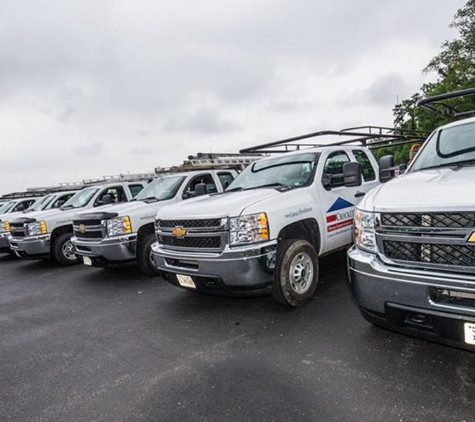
(455, 70)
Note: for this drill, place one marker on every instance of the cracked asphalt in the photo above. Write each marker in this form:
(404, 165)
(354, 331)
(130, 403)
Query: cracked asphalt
(87, 344)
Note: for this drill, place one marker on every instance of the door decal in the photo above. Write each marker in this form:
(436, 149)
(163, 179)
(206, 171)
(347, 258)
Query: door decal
(340, 215)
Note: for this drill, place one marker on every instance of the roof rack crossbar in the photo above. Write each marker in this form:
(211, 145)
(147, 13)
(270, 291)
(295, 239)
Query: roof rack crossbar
(360, 134)
(434, 104)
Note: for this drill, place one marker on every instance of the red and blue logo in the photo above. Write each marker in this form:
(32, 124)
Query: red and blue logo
(339, 215)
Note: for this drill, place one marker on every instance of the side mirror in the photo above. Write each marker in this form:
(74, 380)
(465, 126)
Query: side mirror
(327, 181)
(200, 189)
(352, 174)
(107, 199)
(386, 168)
(60, 203)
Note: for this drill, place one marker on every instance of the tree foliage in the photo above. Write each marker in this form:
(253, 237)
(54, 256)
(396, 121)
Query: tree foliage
(454, 66)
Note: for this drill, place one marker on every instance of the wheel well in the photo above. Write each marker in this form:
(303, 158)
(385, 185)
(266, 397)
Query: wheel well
(146, 229)
(303, 229)
(58, 231)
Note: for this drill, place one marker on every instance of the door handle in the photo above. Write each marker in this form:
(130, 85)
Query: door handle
(359, 194)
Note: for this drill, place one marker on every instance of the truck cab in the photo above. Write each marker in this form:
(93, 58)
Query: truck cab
(412, 268)
(47, 234)
(121, 234)
(265, 233)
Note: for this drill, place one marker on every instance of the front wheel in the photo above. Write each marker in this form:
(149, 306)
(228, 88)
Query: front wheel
(63, 250)
(296, 273)
(144, 255)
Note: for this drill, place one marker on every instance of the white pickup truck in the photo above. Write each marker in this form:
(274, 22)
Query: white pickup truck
(266, 232)
(124, 233)
(47, 234)
(412, 268)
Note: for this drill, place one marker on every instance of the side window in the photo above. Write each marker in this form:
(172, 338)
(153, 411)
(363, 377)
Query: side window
(367, 169)
(117, 193)
(225, 179)
(23, 205)
(58, 202)
(334, 165)
(207, 179)
(135, 189)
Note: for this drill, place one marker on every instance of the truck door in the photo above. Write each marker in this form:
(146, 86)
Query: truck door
(338, 202)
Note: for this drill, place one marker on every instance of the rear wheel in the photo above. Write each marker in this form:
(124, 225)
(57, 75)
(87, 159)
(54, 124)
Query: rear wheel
(296, 273)
(144, 255)
(63, 250)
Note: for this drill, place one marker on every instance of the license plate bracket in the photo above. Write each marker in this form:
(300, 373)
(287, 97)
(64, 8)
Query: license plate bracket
(469, 332)
(185, 281)
(86, 260)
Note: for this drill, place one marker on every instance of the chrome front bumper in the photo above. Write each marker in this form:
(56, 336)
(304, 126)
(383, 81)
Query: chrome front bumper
(31, 247)
(240, 268)
(429, 304)
(118, 249)
(4, 242)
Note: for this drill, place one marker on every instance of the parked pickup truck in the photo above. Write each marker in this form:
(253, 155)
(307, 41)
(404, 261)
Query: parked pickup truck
(47, 234)
(124, 233)
(11, 210)
(266, 232)
(412, 268)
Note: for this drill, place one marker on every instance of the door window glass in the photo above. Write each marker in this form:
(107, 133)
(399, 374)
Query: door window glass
(206, 178)
(334, 166)
(367, 169)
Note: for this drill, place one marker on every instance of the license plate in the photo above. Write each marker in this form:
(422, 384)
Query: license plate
(469, 329)
(186, 281)
(87, 260)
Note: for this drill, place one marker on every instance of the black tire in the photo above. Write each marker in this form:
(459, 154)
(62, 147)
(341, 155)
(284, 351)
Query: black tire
(62, 250)
(144, 255)
(296, 273)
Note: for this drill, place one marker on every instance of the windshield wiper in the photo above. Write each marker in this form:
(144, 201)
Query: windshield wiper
(233, 189)
(455, 164)
(273, 185)
(149, 199)
(69, 207)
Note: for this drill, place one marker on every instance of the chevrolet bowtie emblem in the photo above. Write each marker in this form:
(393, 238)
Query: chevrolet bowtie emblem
(179, 232)
(471, 238)
(82, 228)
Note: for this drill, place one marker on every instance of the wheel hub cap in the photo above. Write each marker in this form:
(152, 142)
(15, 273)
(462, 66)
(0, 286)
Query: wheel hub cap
(301, 273)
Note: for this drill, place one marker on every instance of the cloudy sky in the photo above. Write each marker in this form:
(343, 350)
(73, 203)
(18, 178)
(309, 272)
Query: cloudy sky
(91, 87)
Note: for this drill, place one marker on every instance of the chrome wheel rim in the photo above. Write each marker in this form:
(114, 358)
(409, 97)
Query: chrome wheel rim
(301, 273)
(68, 251)
(271, 260)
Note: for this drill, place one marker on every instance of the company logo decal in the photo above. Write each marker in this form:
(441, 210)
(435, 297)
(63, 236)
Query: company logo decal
(340, 215)
(471, 238)
(82, 228)
(179, 232)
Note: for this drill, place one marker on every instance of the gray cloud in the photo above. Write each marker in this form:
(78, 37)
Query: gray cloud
(141, 77)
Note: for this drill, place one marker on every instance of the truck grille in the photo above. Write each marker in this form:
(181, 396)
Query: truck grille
(426, 252)
(201, 234)
(191, 242)
(446, 219)
(428, 240)
(213, 222)
(89, 229)
(18, 230)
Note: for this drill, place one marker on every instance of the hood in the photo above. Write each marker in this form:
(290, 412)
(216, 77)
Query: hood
(426, 190)
(126, 208)
(37, 215)
(220, 205)
(10, 216)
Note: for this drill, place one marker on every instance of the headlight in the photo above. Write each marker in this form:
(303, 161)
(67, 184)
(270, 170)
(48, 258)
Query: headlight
(248, 229)
(365, 237)
(4, 227)
(37, 228)
(118, 226)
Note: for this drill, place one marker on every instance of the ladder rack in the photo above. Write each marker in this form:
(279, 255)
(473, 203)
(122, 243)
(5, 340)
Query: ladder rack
(371, 136)
(231, 161)
(437, 105)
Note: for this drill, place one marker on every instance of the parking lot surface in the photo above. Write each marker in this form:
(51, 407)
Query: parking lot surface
(87, 344)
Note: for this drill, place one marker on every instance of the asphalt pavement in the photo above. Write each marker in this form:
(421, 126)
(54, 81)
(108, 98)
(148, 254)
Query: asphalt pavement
(88, 344)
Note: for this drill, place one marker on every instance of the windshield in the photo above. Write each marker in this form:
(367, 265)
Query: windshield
(81, 199)
(4, 208)
(161, 189)
(453, 146)
(41, 204)
(291, 171)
